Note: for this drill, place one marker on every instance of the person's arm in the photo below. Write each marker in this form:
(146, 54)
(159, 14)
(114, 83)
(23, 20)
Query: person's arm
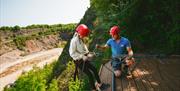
(107, 45)
(104, 47)
(72, 51)
(130, 51)
(130, 60)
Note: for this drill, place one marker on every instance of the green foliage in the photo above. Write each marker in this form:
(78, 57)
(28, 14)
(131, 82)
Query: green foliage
(62, 44)
(66, 76)
(74, 85)
(37, 26)
(16, 28)
(151, 25)
(88, 18)
(52, 28)
(20, 41)
(35, 80)
(53, 86)
(6, 28)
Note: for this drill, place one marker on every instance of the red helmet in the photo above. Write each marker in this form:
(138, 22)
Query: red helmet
(114, 30)
(82, 30)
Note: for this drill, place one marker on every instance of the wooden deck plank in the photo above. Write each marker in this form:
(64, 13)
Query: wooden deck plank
(138, 78)
(156, 81)
(118, 84)
(132, 85)
(110, 76)
(105, 76)
(125, 84)
(145, 75)
(170, 74)
(151, 75)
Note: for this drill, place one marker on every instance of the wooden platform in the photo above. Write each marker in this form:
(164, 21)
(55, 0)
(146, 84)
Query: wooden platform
(149, 74)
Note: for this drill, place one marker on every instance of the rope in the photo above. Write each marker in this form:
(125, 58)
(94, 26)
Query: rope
(82, 73)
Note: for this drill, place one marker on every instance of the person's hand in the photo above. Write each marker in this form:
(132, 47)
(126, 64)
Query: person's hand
(128, 57)
(130, 62)
(97, 46)
(85, 58)
(91, 55)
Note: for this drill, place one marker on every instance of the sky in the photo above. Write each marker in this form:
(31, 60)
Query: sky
(28, 12)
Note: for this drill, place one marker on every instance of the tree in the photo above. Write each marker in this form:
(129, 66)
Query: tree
(16, 28)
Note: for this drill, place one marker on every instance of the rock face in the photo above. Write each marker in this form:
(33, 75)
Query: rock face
(32, 45)
(31, 40)
(47, 42)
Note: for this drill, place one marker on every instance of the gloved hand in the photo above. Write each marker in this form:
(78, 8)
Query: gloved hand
(130, 62)
(85, 58)
(97, 46)
(90, 56)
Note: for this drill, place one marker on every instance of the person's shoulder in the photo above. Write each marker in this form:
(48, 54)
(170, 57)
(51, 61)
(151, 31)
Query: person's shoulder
(74, 39)
(111, 39)
(125, 39)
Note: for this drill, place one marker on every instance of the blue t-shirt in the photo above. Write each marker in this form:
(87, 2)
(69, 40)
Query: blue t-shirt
(118, 48)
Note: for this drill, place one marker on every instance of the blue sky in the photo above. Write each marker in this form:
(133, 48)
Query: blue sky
(27, 12)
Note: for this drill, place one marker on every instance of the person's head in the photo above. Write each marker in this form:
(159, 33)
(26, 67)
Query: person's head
(82, 30)
(114, 32)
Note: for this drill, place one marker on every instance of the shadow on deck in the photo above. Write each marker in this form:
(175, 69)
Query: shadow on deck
(149, 74)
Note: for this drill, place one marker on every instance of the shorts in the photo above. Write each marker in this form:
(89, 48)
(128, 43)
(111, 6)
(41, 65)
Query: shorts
(116, 64)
